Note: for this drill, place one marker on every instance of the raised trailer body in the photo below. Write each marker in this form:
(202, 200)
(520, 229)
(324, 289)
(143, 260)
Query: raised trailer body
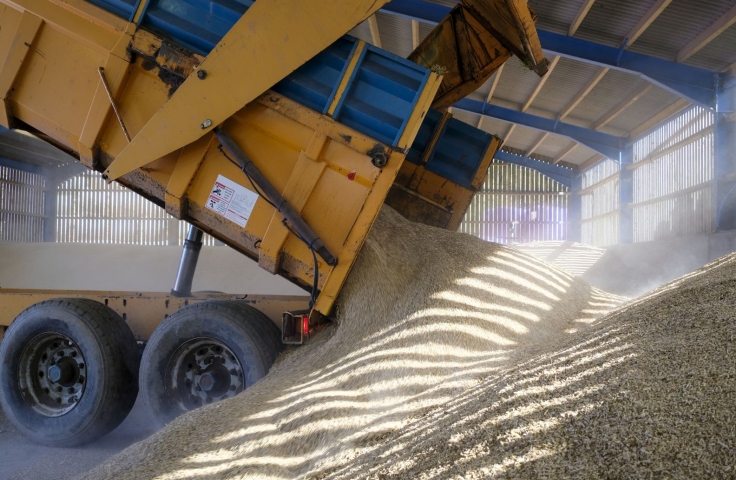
(260, 123)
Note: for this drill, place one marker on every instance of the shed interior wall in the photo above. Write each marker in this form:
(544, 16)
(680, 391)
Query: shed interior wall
(77, 266)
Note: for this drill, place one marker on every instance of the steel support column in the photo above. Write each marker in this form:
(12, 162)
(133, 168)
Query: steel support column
(626, 197)
(575, 212)
(725, 156)
(49, 213)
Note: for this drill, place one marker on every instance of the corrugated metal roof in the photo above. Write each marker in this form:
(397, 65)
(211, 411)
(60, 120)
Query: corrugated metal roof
(580, 155)
(653, 102)
(556, 16)
(565, 83)
(395, 34)
(522, 138)
(517, 83)
(607, 22)
(362, 32)
(719, 53)
(552, 146)
(614, 87)
(681, 22)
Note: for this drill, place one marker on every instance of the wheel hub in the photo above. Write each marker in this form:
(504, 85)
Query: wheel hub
(203, 371)
(65, 371)
(52, 374)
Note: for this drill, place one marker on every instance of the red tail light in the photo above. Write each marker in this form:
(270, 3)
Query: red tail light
(305, 325)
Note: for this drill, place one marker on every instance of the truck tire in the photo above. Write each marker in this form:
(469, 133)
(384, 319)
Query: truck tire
(204, 353)
(68, 371)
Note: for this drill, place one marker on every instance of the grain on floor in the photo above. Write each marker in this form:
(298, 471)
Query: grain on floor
(425, 314)
(649, 392)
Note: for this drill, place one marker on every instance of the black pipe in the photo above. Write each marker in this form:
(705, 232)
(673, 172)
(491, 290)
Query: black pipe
(188, 263)
(273, 195)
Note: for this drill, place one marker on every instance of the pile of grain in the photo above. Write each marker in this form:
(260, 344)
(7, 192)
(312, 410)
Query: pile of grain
(425, 315)
(648, 392)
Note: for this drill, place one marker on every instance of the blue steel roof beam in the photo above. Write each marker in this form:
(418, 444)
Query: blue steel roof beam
(556, 173)
(22, 166)
(605, 144)
(696, 84)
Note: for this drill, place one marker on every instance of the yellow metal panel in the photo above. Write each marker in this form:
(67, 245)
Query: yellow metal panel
(339, 193)
(80, 20)
(269, 42)
(357, 236)
(116, 73)
(144, 93)
(425, 197)
(9, 20)
(186, 169)
(302, 182)
(17, 54)
(56, 90)
(143, 311)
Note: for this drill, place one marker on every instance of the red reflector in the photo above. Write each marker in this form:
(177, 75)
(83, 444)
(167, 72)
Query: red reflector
(305, 327)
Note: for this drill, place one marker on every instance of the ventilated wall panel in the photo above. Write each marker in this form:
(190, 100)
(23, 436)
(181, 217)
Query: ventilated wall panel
(518, 205)
(91, 211)
(21, 206)
(673, 178)
(600, 204)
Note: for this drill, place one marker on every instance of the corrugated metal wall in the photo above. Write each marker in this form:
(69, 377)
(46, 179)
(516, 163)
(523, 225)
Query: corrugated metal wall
(600, 204)
(91, 211)
(518, 205)
(673, 178)
(21, 206)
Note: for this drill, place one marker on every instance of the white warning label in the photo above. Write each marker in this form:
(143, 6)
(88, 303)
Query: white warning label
(231, 200)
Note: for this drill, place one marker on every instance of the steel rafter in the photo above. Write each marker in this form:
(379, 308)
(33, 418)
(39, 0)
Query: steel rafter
(559, 174)
(608, 145)
(695, 84)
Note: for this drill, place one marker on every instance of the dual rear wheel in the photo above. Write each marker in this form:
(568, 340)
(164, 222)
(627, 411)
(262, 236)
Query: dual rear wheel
(70, 369)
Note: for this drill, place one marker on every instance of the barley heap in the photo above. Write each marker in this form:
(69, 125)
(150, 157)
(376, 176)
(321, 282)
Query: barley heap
(648, 392)
(425, 315)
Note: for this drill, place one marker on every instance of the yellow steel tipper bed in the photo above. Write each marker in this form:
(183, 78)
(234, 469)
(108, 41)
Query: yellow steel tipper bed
(260, 123)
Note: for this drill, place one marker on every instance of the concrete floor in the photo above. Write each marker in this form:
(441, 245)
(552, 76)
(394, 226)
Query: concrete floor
(21, 459)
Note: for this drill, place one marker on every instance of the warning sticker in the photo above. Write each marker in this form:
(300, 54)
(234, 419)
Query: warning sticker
(232, 200)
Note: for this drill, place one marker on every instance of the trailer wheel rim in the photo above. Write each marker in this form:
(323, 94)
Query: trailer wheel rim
(52, 374)
(202, 371)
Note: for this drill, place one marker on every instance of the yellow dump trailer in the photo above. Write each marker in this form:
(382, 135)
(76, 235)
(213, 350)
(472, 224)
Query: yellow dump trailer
(260, 123)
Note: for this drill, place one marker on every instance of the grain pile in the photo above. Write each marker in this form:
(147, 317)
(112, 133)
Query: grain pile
(425, 315)
(648, 392)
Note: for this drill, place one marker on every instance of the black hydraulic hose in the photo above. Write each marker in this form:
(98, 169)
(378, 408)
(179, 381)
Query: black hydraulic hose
(273, 195)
